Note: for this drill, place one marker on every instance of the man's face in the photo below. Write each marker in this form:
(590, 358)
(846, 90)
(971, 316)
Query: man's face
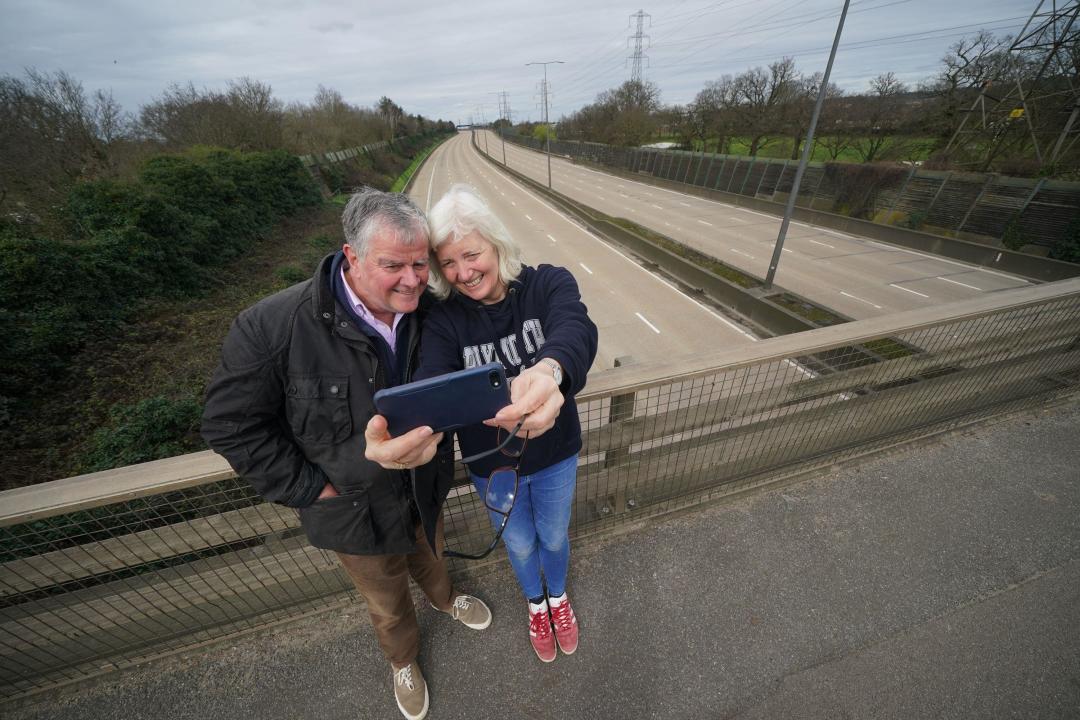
(392, 276)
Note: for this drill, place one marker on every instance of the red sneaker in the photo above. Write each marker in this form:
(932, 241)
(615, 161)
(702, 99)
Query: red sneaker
(543, 641)
(566, 628)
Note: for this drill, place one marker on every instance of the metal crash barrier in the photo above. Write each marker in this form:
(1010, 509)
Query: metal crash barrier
(105, 570)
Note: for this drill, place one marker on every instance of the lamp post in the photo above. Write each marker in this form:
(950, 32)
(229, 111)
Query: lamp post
(547, 126)
(805, 154)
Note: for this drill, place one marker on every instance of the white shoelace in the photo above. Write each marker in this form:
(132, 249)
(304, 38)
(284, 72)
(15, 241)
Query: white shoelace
(404, 677)
(462, 602)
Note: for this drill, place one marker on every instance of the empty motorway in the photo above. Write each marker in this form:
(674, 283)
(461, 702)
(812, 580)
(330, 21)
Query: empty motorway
(638, 314)
(855, 276)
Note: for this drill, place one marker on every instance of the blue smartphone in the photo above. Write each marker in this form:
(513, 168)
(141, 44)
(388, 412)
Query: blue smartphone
(445, 402)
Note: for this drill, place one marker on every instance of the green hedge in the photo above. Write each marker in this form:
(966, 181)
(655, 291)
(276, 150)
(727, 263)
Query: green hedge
(127, 242)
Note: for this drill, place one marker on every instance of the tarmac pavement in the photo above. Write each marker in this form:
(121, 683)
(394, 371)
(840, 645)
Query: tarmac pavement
(940, 581)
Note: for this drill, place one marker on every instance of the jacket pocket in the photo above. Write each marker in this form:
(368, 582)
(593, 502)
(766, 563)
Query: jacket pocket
(318, 409)
(341, 523)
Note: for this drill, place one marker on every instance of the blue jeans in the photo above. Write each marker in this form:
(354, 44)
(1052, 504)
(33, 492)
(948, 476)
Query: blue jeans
(536, 536)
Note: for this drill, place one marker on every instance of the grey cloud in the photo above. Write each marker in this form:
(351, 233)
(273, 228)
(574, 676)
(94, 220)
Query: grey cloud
(330, 27)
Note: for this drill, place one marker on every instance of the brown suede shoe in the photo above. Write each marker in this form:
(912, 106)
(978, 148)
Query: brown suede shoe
(410, 689)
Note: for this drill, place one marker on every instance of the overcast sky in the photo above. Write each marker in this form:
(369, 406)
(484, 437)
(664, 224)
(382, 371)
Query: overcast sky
(449, 59)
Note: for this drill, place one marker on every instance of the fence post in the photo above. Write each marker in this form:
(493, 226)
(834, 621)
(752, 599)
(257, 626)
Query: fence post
(688, 166)
(934, 199)
(1034, 192)
(733, 171)
(723, 166)
(712, 159)
(899, 194)
(746, 177)
(622, 408)
(813, 197)
(764, 172)
(777, 183)
(985, 187)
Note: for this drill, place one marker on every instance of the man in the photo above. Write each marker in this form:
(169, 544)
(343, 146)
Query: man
(288, 405)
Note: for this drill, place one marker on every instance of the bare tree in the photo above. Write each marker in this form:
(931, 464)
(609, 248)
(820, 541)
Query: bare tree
(246, 116)
(712, 108)
(969, 65)
(52, 134)
(882, 119)
(761, 100)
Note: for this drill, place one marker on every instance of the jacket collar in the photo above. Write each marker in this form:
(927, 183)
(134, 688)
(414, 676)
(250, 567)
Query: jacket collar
(326, 308)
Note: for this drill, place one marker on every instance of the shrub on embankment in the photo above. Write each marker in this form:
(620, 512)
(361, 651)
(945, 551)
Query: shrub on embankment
(124, 243)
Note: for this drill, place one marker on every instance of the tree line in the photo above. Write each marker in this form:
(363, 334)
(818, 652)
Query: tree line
(763, 106)
(53, 132)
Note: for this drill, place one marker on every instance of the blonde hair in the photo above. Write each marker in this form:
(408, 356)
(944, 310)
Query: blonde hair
(458, 213)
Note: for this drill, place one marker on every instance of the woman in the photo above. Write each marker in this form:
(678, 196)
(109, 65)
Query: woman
(531, 320)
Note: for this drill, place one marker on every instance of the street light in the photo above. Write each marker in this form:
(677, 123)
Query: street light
(547, 125)
(793, 196)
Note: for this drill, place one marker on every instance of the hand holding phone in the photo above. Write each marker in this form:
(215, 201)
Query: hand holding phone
(445, 402)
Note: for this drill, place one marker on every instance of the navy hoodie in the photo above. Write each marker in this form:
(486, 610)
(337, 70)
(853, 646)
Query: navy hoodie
(542, 316)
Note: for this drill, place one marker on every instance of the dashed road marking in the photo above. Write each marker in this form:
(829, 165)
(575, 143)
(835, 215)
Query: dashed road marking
(957, 282)
(913, 292)
(585, 267)
(703, 222)
(642, 318)
(853, 297)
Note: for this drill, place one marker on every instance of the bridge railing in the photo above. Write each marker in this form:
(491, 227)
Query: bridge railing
(104, 570)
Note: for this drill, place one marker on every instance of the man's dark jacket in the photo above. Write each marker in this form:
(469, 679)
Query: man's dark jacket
(288, 405)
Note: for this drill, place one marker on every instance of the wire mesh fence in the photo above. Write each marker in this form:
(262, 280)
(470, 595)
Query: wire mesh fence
(1021, 211)
(153, 566)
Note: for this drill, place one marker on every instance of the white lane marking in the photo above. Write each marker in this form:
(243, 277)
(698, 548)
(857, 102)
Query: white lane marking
(821, 243)
(431, 182)
(528, 218)
(839, 235)
(732, 217)
(552, 239)
(657, 206)
(642, 318)
(624, 195)
(603, 244)
(705, 223)
(735, 250)
(879, 245)
(601, 197)
(957, 282)
(513, 203)
(790, 251)
(684, 204)
(853, 297)
(913, 292)
(585, 268)
(755, 212)
(952, 262)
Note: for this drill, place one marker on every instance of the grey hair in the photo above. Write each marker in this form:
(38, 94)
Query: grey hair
(458, 213)
(371, 210)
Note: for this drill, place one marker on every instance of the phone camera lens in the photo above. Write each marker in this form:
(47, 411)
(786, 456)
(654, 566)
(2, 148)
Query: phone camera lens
(493, 378)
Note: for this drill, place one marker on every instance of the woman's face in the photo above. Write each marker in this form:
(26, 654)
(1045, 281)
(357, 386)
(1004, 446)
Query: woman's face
(471, 266)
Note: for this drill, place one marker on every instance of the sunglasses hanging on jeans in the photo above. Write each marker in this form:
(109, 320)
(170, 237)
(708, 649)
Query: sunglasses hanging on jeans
(500, 490)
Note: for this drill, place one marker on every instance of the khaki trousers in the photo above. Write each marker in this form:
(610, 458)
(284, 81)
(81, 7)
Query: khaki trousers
(383, 581)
